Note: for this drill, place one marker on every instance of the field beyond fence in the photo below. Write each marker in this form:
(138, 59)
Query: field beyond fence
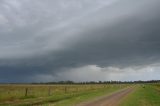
(17, 94)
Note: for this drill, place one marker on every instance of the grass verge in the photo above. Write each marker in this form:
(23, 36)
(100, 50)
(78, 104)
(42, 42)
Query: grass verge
(146, 95)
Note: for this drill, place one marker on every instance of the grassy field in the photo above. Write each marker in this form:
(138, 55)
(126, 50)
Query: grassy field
(143, 95)
(59, 95)
(69, 95)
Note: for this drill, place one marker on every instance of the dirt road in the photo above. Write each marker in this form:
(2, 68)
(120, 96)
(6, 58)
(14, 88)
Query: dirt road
(111, 100)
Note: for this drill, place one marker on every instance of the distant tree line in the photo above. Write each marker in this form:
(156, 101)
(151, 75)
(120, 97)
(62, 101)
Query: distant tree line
(92, 82)
(101, 82)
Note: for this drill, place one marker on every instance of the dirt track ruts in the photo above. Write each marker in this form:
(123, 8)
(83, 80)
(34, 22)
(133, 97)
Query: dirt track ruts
(110, 100)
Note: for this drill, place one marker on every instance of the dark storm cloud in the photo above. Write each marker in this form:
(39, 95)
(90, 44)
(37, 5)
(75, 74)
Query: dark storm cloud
(115, 33)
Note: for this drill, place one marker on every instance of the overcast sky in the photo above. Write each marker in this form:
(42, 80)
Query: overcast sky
(79, 40)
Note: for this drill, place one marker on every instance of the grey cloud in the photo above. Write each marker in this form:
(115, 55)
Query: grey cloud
(92, 72)
(27, 22)
(50, 37)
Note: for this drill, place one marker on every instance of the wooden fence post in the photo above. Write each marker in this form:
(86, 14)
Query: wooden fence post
(26, 91)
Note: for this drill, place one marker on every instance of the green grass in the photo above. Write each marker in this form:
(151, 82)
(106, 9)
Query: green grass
(143, 95)
(84, 97)
(61, 95)
(70, 95)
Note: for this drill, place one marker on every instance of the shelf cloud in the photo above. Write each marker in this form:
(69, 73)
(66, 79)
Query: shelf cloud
(82, 40)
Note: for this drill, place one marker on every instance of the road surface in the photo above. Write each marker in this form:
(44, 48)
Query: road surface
(111, 100)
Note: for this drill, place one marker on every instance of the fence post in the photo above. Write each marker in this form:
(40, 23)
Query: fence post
(26, 92)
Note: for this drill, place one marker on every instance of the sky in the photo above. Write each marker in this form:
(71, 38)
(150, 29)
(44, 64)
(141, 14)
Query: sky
(79, 40)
